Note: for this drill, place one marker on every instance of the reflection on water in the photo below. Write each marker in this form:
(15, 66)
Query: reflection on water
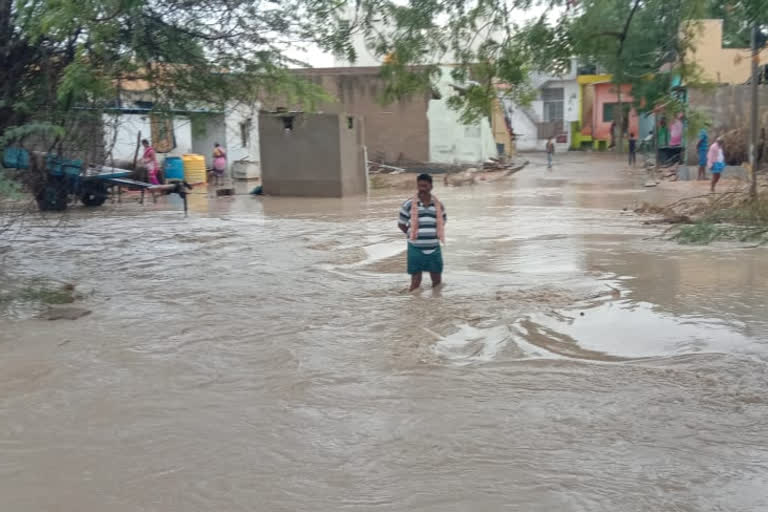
(631, 330)
(263, 354)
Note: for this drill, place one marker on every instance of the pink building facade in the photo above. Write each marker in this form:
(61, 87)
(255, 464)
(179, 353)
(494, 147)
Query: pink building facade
(606, 109)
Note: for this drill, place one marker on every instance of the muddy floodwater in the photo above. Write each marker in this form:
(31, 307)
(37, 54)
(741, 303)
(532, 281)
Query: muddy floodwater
(262, 354)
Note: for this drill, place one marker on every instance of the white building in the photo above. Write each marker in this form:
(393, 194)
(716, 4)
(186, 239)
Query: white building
(450, 140)
(552, 112)
(236, 129)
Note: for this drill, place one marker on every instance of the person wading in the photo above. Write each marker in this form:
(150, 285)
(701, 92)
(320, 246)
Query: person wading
(422, 219)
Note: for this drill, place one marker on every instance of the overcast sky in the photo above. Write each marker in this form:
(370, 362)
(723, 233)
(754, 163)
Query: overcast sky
(320, 59)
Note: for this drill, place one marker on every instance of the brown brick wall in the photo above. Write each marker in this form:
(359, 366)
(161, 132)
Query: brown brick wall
(398, 131)
(728, 107)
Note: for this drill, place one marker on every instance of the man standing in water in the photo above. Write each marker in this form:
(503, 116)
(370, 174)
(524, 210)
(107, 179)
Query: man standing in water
(422, 219)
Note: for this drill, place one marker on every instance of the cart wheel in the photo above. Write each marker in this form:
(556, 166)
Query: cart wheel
(52, 197)
(94, 196)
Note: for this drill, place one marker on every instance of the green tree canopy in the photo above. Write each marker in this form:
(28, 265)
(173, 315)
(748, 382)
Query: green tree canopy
(56, 55)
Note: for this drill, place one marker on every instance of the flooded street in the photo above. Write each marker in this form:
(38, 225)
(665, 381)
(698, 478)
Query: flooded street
(262, 354)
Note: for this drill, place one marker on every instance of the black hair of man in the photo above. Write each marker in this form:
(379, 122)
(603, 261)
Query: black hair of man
(424, 177)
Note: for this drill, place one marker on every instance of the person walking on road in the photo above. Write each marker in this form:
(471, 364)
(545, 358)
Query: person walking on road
(422, 219)
(716, 161)
(701, 148)
(632, 150)
(550, 152)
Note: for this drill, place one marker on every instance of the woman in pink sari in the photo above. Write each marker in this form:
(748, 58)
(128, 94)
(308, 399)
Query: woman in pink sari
(150, 163)
(219, 162)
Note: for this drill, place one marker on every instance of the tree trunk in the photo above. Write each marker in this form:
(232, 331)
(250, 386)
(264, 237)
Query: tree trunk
(138, 145)
(753, 160)
(619, 124)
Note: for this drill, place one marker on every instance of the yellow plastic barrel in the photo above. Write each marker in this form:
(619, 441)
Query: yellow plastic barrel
(194, 168)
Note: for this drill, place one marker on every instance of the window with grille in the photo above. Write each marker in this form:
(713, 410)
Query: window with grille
(245, 133)
(610, 111)
(553, 99)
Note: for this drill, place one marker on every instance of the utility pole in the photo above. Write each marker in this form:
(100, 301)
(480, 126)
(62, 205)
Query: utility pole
(753, 163)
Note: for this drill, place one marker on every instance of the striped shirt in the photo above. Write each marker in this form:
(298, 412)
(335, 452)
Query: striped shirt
(427, 240)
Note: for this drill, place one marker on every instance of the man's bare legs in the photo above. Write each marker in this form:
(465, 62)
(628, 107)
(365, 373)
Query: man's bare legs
(415, 281)
(437, 280)
(702, 173)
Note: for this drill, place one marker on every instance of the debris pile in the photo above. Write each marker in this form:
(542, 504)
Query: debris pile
(379, 168)
(493, 169)
(731, 215)
(735, 146)
(504, 164)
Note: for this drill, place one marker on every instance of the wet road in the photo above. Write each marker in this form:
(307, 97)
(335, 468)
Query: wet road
(262, 355)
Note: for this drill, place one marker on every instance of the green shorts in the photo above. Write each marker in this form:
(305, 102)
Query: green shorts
(419, 262)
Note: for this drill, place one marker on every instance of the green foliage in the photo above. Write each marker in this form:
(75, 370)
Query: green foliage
(696, 120)
(47, 295)
(640, 42)
(751, 212)
(9, 188)
(62, 56)
(15, 133)
(701, 233)
(706, 232)
(548, 46)
(650, 53)
(744, 220)
(401, 81)
(81, 81)
(738, 17)
(40, 292)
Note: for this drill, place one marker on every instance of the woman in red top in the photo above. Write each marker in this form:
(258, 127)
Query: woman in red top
(150, 162)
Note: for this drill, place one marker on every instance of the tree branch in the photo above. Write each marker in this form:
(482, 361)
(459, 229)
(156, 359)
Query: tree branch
(623, 36)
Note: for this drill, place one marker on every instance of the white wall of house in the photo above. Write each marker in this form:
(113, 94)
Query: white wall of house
(228, 129)
(207, 130)
(242, 140)
(120, 133)
(524, 127)
(524, 119)
(182, 133)
(450, 141)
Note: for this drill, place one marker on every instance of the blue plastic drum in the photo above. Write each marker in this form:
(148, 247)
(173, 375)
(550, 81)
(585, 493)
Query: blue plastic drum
(174, 168)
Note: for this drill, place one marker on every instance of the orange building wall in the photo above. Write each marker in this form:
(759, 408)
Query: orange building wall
(721, 65)
(607, 93)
